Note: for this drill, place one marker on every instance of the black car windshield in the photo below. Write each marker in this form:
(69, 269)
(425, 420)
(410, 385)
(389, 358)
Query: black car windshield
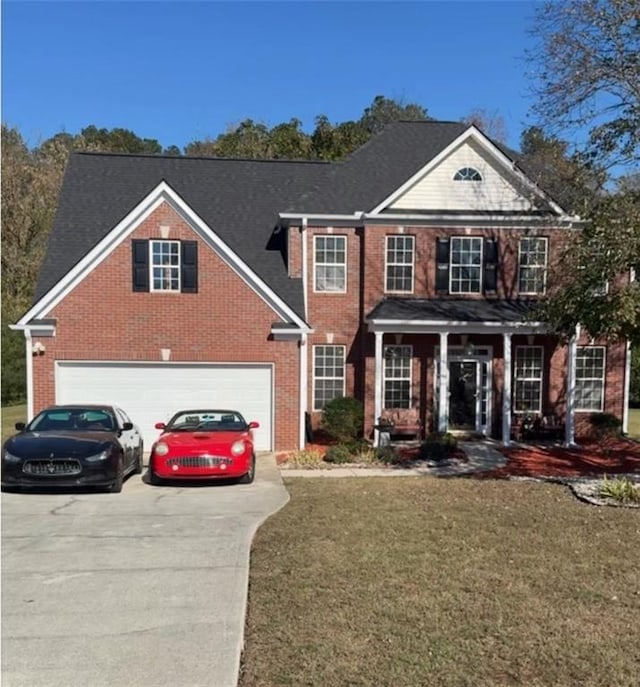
(72, 420)
(207, 420)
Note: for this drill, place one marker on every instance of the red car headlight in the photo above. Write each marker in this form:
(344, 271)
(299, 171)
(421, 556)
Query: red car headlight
(161, 449)
(237, 448)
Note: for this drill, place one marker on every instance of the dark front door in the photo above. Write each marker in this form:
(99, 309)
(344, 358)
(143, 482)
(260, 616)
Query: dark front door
(463, 394)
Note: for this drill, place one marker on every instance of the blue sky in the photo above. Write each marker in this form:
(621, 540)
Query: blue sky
(184, 71)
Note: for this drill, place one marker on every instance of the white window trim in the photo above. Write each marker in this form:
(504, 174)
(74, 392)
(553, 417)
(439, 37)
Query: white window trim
(451, 265)
(384, 377)
(466, 176)
(152, 266)
(313, 363)
(545, 267)
(344, 265)
(603, 380)
(388, 264)
(517, 379)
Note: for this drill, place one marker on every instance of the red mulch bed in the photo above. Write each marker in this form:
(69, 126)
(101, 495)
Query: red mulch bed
(616, 456)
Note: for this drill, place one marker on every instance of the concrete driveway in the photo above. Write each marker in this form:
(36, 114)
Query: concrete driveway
(147, 587)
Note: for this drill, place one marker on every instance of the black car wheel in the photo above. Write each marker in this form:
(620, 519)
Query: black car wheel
(138, 464)
(248, 477)
(153, 478)
(116, 487)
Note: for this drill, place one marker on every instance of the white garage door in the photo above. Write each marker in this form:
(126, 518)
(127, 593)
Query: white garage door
(153, 392)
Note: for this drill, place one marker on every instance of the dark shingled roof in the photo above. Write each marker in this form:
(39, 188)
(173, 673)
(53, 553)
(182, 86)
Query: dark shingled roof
(238, 199)
(379, 167)
(452, 310)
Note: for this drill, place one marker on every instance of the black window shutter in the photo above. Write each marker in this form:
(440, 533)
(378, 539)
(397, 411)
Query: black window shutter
(490, 266)
(140, 264)
(442, 265)
(189, 262)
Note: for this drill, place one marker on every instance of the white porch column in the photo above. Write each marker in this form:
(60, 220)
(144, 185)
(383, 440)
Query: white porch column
(304, 391)
(506, 390)
(377, 402)
(29, 364)
(443, 390)
(570, 415)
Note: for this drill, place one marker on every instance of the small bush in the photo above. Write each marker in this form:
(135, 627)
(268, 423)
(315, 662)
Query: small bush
(605, 425)
(386, 454)
(438, 446)
(621, 489)
(340, 453)
(305, 459)
(343, 418)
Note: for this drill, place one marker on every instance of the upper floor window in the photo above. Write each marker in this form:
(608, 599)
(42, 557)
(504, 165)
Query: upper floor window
(397, 376)
(528, 379)
(328, 374)
(465, 264)
(165, 265)
(590, 378)
(467, 174)
(330, 260)
(162, 265)
(532, 265)
(399, 269)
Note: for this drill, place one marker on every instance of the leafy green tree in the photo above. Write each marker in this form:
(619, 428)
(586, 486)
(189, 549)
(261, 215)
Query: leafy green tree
(383, 111)
(588, 77)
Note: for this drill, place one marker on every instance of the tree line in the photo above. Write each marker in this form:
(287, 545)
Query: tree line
(586, 73)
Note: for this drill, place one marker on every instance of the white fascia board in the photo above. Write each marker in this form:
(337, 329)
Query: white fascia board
(471, 133)
(453, 326)
(289, 333)
(322, 219)
(162, 193)
(35, 329)
(505, 222)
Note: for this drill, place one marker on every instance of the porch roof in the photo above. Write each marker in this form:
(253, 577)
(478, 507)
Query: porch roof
(397, 314)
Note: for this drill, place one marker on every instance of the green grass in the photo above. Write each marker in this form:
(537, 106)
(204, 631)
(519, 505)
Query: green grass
(634, 423)
(11, 415)
(379, 582)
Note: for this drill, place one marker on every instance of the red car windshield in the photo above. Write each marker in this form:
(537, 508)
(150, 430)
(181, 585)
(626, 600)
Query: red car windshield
(207, 421)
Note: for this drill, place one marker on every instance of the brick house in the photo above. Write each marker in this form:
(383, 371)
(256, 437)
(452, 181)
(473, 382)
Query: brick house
(403, 276)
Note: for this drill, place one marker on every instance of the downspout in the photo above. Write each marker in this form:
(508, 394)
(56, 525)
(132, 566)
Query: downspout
(627, 381)
(29, 366)
(304, 362)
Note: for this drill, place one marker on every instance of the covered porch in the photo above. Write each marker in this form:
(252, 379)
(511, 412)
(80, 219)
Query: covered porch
(466, 349)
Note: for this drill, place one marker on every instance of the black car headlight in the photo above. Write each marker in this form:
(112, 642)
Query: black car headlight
(97, 457)
(9, 457)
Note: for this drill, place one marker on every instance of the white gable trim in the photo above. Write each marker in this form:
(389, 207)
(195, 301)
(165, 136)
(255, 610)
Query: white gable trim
(163, 193)
(476, 135)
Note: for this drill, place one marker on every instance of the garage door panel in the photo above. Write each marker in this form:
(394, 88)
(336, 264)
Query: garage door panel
(152, 393)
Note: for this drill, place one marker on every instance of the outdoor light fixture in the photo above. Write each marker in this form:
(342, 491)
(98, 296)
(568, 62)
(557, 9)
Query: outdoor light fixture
(38, 348)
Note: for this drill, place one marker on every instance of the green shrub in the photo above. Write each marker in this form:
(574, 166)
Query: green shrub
(340, 453)
(605, 425)
(305, 459)
(386, 454)
(343, 418)
(621, 489)
(438, 446)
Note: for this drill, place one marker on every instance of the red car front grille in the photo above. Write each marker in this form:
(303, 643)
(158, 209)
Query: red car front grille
(199, 461)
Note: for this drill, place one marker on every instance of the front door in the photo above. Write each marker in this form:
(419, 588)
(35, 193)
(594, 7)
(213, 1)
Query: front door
(463, 394)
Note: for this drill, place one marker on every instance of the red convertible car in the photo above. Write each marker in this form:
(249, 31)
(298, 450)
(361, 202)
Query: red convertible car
(204, 444)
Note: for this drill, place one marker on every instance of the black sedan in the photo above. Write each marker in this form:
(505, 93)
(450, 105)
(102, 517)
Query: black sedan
(73, 446)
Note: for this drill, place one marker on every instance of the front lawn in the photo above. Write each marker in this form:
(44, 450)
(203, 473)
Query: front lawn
(11, 415)
(447, 582)
(634, 423)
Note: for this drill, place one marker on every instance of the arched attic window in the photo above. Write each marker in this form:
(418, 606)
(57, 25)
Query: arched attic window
(467, 174)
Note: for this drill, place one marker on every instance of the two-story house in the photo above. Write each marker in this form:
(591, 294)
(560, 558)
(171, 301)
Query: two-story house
(404, 276)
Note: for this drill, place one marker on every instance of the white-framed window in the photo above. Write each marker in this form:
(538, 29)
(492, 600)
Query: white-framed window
(165, 266)
(467, 174)
(397, 376)
(590, 368)
(527, 375)
(330, 263)
(328, 374)
(465, 274)
(399, 264)
(532, 265)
